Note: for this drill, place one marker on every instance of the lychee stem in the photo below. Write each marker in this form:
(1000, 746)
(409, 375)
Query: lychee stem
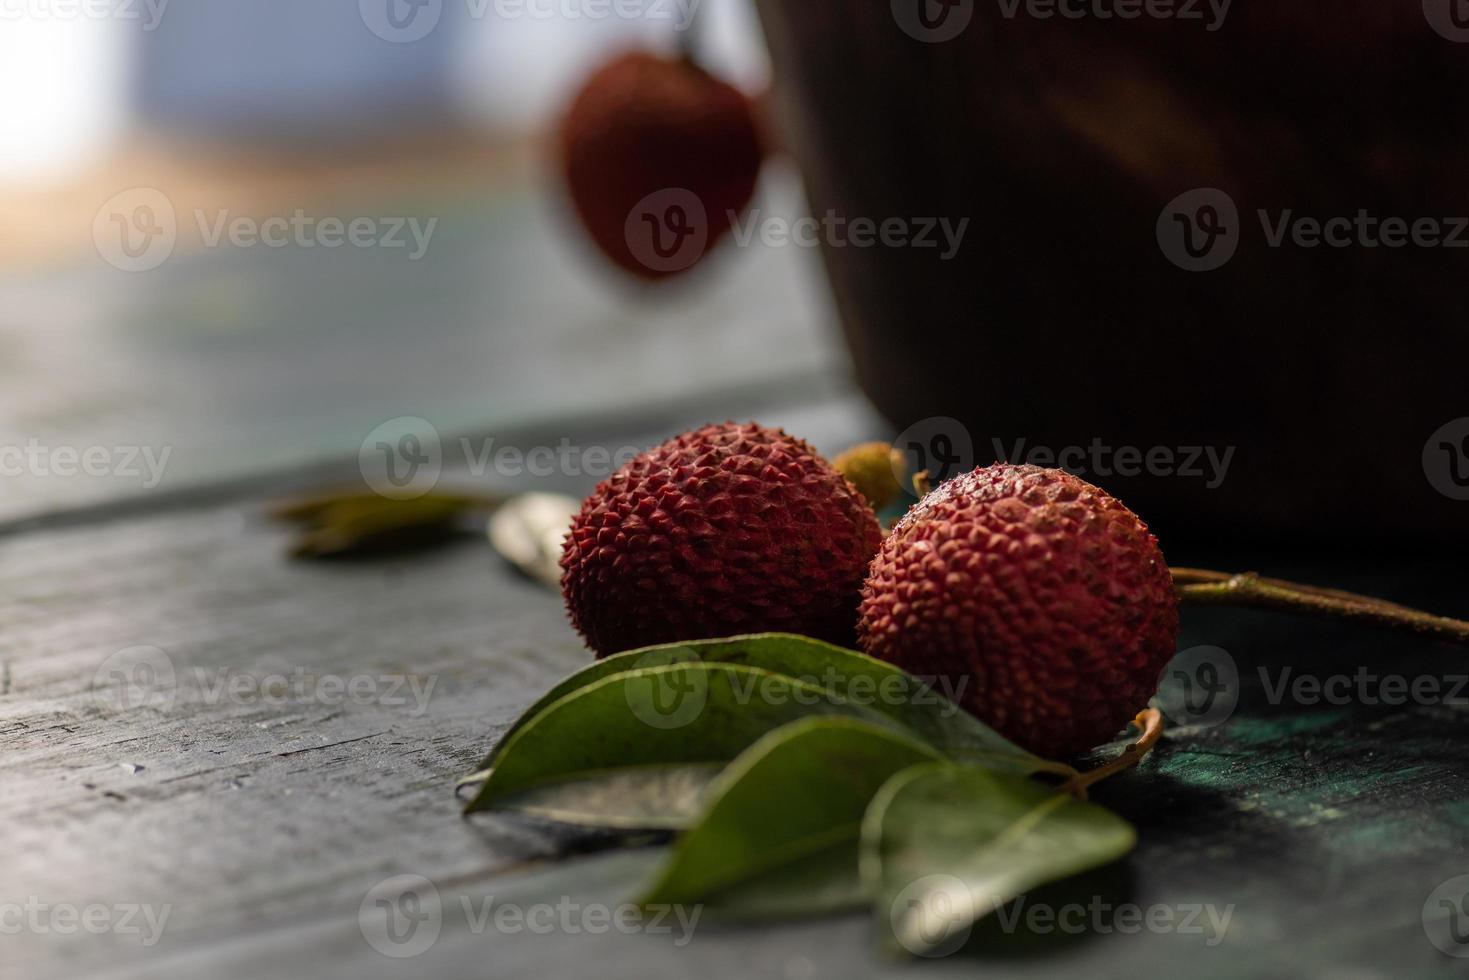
(1250, 589)
(690, 38)
(1150, 723)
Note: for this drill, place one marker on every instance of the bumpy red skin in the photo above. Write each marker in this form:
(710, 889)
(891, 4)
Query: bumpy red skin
(727, 530)
(644, 124)
(1045, 596)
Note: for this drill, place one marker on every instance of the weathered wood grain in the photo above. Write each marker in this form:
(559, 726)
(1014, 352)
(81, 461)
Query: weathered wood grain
(238, 362)
(263, 826)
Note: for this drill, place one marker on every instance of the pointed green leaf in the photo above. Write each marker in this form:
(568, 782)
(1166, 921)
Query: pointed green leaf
(943, 846)
(358, 522)
(657, 797)
(682, 714)
(851, 676)
(781, 831)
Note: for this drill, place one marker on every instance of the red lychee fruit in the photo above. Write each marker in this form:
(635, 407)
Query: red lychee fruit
(1044, 596)
(726, 530)
(660, 157)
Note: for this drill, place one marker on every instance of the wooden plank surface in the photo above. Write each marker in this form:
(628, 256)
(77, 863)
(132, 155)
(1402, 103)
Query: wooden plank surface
(263, 820)
(239, 361)
(264, 824)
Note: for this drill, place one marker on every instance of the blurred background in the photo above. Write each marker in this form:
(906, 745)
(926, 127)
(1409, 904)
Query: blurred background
(247, 234)
(242, 357)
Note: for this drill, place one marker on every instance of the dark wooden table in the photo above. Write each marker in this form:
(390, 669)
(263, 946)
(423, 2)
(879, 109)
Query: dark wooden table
(263, 821)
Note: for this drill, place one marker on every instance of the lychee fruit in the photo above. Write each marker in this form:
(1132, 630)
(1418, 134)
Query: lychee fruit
(726, 530)
(1042, 595)
(877, 470)
(660, 157)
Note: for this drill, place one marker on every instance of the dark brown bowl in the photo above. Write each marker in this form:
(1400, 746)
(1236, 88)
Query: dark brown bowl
(1066, 317)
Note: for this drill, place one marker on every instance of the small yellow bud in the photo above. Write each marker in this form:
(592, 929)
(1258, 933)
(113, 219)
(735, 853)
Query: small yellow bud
(877, 470)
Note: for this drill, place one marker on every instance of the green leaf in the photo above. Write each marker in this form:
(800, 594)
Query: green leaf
(357, 523)
(528, 531)
(943, 846)
(682, 714)
(657, 797)
(847, 674)
(780, 834)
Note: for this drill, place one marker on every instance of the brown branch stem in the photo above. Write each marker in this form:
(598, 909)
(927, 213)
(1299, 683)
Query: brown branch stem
(1148, 721)
(1249, 589)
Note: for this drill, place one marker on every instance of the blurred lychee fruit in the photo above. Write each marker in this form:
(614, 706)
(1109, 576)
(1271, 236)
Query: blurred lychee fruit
(660, 157)
(1045, 597)
(726, 530)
